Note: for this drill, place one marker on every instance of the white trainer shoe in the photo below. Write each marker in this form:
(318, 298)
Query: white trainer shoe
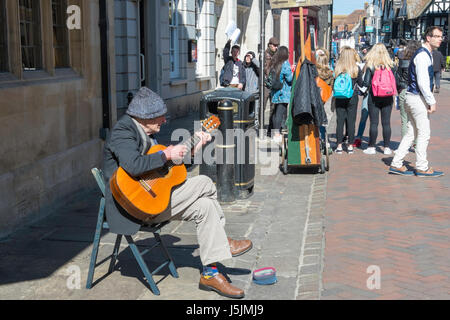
(370, 150)
(387, 150)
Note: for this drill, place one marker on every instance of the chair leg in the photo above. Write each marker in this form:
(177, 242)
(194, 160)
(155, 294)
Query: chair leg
(98, 231)
(142, 265)
(172, 268)
(115, 253)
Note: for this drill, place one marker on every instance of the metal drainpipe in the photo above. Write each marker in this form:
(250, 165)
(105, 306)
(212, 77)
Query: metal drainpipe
(261, 69)
(103, 24)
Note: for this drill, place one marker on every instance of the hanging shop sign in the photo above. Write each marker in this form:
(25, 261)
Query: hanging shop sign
(284, 4)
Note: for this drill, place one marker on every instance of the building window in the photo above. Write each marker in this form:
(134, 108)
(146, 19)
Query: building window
(174, 51)
(30, 34)
(3, 38)
(60, 34)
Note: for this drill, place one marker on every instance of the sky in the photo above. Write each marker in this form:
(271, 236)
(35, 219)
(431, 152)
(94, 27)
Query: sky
(347, 6)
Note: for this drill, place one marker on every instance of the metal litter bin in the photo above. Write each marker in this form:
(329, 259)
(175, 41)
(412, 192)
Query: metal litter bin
(244, 136)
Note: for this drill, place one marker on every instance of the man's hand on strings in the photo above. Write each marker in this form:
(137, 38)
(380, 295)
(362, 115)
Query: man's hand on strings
(176, 153)
(204, 139)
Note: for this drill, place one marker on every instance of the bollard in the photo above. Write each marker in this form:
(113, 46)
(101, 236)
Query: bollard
(225, 154)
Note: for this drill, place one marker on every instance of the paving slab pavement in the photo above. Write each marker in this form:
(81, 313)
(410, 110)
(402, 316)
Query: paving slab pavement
(283, 218)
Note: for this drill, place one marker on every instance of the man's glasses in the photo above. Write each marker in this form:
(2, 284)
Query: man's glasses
(275, 45)
(437, 36)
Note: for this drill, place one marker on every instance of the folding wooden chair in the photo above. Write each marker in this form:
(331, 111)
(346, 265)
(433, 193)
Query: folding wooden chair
(102, 224)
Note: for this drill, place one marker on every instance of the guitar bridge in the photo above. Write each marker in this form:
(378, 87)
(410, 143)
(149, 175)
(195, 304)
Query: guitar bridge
(147, 188)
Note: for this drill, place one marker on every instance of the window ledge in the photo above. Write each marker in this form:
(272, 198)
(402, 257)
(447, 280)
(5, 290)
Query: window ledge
(203, 78)
(8, 80)
(7, 76)
(177, 82)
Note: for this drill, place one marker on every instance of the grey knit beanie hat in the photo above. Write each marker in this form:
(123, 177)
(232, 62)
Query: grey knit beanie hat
(146, 105)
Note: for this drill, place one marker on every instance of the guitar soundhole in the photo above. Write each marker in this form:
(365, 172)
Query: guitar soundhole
(164, 171)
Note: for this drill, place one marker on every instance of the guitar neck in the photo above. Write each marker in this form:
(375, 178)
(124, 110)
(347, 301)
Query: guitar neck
(192, 142)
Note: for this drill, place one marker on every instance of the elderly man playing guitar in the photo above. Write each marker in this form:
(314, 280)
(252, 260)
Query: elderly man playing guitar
(195, 199)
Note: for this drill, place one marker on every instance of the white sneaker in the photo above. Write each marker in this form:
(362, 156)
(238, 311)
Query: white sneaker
(387, 150)
(370, 150)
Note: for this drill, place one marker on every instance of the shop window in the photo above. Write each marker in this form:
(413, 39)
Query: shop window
(60, 34)
(3, 38)
(30, 34)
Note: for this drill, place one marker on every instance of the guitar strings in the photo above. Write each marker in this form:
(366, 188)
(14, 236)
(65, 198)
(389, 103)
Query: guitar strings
(151, 176)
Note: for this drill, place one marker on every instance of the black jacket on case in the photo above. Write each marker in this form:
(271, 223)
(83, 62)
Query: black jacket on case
(307, 105)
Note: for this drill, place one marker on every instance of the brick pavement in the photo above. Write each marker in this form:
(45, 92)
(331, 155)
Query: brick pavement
(400, 224)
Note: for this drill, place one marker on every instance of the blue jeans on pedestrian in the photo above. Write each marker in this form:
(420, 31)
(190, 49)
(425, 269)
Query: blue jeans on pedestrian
(437, 79)
(364, 116)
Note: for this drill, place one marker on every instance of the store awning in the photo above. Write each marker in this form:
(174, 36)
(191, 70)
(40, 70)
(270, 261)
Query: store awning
(416, 7)
(283, 4)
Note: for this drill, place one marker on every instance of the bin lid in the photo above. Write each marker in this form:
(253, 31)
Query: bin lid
(228, 93)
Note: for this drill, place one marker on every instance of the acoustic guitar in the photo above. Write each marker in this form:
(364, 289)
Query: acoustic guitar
(146, 196)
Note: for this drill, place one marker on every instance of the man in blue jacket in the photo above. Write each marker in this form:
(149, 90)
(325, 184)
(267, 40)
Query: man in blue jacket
(420, 104)
(194, 200)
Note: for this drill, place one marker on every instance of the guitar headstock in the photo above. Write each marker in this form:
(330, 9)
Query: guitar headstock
(211, 124)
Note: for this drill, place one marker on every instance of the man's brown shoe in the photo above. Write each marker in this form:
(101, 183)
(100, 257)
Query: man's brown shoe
(239, 247)
(219, 284)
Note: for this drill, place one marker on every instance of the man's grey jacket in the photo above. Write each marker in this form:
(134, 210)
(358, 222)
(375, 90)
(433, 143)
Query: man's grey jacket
(124, 148)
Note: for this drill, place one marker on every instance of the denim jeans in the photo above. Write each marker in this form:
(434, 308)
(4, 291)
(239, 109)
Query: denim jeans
(364, 116)
(437, 79)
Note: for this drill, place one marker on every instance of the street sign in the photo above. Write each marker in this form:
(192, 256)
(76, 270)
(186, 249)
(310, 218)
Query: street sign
(282, 4)
(369, 28)
(386, 28)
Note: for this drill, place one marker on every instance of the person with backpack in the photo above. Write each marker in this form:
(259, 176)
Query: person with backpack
(280, 78)
(364, 106)
(402, 77)
(327, 76)
(233, 72)
(348, 74)
(420, 104)
(272, 47)
(380, 83)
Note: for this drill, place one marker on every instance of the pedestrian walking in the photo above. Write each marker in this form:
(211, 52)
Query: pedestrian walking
(438, 68)
(380, 83)
(251, 65)
(364, 106)
(233, 72)
(327, 75)
(420, 104)
(272, 47)
(401, 78)
(281, 97)
(348, 74)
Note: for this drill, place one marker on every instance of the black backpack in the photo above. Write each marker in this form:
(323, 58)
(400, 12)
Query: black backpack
(272, 81)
